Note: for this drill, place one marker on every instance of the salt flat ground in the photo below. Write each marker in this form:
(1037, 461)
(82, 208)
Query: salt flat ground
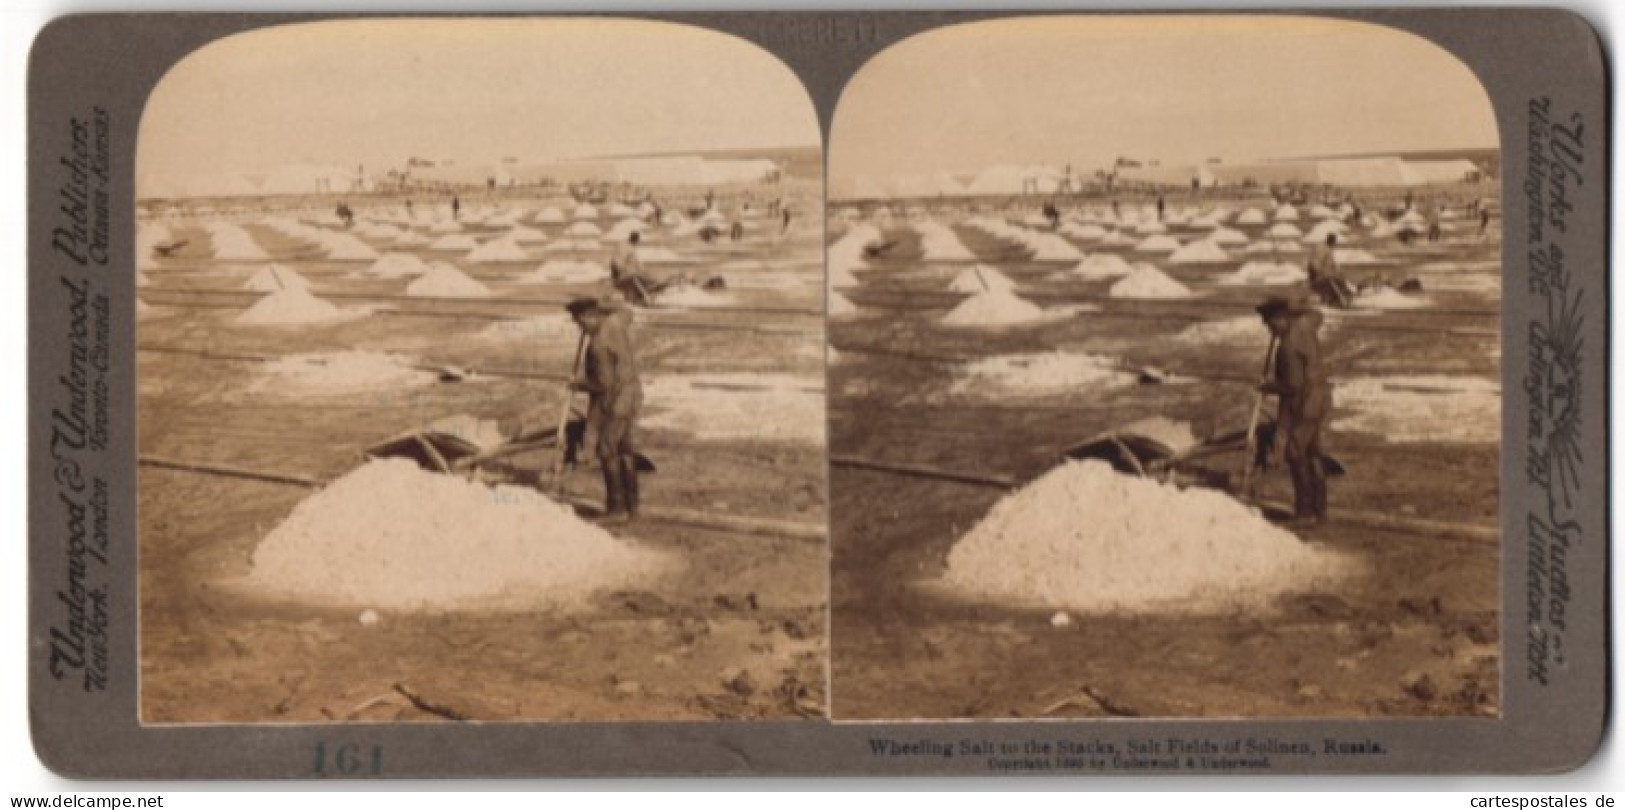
(1415, 633)
(671, 649)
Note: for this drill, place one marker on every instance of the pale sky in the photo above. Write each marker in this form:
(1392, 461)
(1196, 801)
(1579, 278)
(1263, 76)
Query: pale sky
(378, 91)
(1053, 90)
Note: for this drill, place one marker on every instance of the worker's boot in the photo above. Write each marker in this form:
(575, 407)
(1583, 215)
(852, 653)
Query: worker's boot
(629, 484)
(614, 494)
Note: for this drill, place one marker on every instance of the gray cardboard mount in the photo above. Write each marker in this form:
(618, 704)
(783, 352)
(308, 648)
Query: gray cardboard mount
(101, 68)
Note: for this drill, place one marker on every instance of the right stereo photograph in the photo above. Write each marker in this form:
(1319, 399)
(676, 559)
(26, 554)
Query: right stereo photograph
(1164, 374)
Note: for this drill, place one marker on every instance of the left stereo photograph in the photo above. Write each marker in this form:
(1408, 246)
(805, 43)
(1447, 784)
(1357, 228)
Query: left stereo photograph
(481, 377)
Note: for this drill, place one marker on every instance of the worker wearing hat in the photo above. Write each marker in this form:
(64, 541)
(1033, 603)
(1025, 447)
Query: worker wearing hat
(1298, 379)
(610, 377)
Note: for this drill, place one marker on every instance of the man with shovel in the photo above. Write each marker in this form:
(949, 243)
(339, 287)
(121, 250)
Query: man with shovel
(1297, 377)
(610, 377)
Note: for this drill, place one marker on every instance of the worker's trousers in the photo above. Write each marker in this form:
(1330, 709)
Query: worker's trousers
(1308, 468)
(617, 457)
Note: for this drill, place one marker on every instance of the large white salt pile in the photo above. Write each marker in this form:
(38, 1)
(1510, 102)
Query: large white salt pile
(1201, 251)
(1227, 236)
(839, 305)
(1047, 247)
(455, 241)
(1084, 537)
(342, 247)
(565, 271)
(396, 265)
(1101, 266)
(993, 308)
(941, 244)
(233, 244)
(1145, 281)
(274, 277)
(980, 278)
(1283, 230)
(1161, 243)
(340, 372)
(1251, 216)
(1039, 374)
(1265, 273)
(738, 405)
(1419, 408)
(445, 281)
(1286, 213)
(504, 249)
(1388, 298)
(294, 306)
(583, 229)
(392, 535)
(585, 211)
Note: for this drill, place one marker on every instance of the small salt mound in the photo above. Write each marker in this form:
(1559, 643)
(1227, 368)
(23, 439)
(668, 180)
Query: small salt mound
(525, 235)
(980, 278)
(740, 405)
(1227, 236)
(1103, 266)
(550, 215)
(688, 295)
(1251, 216)
(1284, 230)
(1286, 213)
(504, 249)
(342, 247)
(558, 328)
(444, 281)
(233, 244)
(1389, 298)
(1087, 538)
(274, 277)
(294, 306)
(456, 241)
(839, 305)
(1420, 408)
(392, 535)
(1047, 247)
(1117, 239)
(1145, 281)
(1354, 257)
(340, 372)
(1039, 374)
(1162, 243)
(1265, 273)
(993, 308)
(396, 265)
(1245, 329)
(663, 255)
(940, 244)
(1201, 251)
(565, 271)
(585, 211)
(583, 229)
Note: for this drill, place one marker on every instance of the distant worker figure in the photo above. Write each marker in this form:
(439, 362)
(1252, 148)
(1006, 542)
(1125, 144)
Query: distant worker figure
(344, 213)
(409, 214)
(1483, 221)
(610, 378)
(1162, 204)
(736, 231)
(1325, 280)
(1298, 380)
(626, 271)
(1052, 214)
(784, 212)
(456, 206)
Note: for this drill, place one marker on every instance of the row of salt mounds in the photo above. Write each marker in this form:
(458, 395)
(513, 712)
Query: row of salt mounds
(1251, 216)
(392, 535)
(342, 247)
(840, 305)
(565, 271)
(994, 307)
(1102, 266)
(980, 278)
(737, 405)
(1087, 538)
(1420, 408)
(504, 249)
(941, 244)
(398, 265)
(1047, 247)
(454, 241)
(444, 281)
(341, 372)
(1161, 243)
(1200, 251)
(1040, 373)
(1265, 274)
(274, 277)
(1146, 281)
(233, 244)
(295, 306)
(1227, 236)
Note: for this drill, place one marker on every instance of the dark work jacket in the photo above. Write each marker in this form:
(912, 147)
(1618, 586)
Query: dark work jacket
(1300, 379)
(612, 368)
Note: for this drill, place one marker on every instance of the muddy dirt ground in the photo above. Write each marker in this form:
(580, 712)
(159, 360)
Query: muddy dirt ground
(1416, 632)
(737, 631)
